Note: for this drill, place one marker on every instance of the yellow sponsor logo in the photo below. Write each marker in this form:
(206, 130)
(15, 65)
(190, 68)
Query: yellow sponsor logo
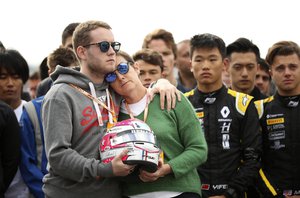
(200, 114)
(275, 121)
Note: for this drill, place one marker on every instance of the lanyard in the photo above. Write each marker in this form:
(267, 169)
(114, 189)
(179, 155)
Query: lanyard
(112, 115)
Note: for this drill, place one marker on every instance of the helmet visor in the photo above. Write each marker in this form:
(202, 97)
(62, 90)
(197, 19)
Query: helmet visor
(138, 135)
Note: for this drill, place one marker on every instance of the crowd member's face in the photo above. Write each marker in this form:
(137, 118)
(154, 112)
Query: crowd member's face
(207, 66)
(285, 72)
(68, 43)
(226, 78)
(125, 83)
(10, 88)
(167, 54)
(262, 81)
(148, 72)
(183, 62)
(96, 63)
(242, 71)
(32, 87)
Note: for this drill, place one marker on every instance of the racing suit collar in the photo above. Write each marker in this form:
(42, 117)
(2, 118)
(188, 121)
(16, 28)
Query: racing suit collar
(209, 98)
(288, 101)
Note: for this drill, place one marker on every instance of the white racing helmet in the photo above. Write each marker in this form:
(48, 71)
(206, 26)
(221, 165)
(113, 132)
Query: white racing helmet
(135, 136)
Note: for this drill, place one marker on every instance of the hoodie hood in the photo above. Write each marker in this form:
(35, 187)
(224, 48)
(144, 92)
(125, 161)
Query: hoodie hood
(74, 76)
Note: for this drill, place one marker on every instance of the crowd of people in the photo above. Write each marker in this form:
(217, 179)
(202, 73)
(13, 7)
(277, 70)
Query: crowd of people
(224, 117)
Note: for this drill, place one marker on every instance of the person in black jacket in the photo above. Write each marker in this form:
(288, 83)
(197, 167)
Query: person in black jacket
(9, 146)
(279, 119)
(230, 123)
(243, 62)
(243, 57)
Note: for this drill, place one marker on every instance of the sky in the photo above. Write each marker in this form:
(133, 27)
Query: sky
(34, 27)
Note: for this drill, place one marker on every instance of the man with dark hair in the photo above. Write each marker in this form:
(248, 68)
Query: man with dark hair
(14, 73)
(229, 120)
(150, 64)
(66, 38)
(243, 57)
(263, 79)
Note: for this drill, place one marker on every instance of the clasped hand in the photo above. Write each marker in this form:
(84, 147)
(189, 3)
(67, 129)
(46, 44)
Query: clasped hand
(162, 170)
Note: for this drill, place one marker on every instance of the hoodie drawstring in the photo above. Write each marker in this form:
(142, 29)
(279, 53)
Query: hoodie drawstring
(99, 116)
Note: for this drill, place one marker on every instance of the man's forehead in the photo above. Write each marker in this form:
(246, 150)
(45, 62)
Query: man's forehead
(3, 70)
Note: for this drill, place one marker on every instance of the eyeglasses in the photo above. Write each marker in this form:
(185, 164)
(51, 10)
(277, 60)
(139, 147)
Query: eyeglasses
(104, 46)
(122, 68)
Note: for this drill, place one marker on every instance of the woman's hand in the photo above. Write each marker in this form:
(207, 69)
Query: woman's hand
(163, 169)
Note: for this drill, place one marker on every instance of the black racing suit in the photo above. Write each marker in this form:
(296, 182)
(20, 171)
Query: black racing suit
(280, 122)
(231, 126)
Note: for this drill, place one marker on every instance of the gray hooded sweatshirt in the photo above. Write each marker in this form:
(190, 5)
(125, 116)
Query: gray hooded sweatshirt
(72, 138)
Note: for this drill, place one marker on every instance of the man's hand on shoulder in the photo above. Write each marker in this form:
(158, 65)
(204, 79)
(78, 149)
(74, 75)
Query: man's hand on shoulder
(167, 92)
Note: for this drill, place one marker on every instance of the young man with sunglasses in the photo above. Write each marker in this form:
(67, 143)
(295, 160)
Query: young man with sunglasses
(76, 113)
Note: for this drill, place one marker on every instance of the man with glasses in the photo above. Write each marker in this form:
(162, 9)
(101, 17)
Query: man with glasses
(76, 112)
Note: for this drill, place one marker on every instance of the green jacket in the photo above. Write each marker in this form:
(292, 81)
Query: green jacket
(181, 138)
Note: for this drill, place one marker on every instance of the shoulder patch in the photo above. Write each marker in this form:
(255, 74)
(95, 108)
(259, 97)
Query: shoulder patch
(269, 99)
(259, 104)
(241, 101)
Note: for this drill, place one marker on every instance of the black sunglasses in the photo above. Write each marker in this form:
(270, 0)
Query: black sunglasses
(122, 68)
(104, 46)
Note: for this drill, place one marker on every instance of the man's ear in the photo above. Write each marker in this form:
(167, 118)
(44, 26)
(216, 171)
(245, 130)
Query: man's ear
(49, 71)
(226, 64)
(136, 67)
(190, 66)
(80, 51)
(271, 73)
